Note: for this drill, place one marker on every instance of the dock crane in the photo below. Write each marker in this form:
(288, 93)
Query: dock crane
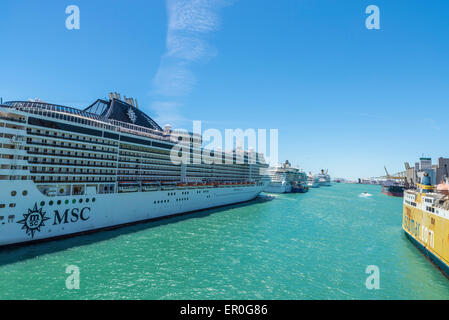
(396, 177)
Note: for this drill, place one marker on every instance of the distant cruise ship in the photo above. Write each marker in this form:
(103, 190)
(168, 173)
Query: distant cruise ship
(312, 181)
(324, 179)
(65, 171)
(286, 179)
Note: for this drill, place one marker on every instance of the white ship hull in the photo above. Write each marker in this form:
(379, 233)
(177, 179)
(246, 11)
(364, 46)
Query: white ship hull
(278, 187)
(35, 217)
(325, 184)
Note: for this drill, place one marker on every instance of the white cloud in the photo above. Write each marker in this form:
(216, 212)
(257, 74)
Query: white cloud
(193, 15)
(168, 113)
(431, 123)
(173, 79)
(189, 23)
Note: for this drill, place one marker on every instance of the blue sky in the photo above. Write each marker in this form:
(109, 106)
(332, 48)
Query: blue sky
(343, 97)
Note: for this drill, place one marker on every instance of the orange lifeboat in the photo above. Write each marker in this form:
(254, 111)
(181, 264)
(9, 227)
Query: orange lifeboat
(443, 188)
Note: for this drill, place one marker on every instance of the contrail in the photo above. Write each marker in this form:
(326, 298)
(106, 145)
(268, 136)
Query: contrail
(189, 23)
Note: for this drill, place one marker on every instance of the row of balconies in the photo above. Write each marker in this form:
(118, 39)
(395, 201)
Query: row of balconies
(62, 145)
(63, 137)
(64, 153)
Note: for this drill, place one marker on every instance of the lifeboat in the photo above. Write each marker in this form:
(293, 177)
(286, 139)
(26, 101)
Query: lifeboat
(128, 186)
(443, 187)
(150, 186)
(168, 185)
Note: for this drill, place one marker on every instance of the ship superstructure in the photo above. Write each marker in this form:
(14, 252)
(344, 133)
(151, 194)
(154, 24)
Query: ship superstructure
(286, 179)
(65, 171)
(324, 179)
(313, 181)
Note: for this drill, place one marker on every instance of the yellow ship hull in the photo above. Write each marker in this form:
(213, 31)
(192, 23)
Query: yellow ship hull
(430, 233)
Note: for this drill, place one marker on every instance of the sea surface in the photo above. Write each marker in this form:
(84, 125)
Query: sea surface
(296, 246)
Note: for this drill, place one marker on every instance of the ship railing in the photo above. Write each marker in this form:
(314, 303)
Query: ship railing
(134, 129)
(55, 111)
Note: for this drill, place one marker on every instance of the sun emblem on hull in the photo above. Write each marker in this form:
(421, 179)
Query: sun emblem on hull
(132, 115)
(33, 221)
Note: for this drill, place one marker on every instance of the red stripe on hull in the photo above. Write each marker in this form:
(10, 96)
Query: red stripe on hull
(393, 194)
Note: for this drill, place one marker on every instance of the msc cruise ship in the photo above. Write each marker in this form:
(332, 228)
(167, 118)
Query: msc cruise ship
(65, 171)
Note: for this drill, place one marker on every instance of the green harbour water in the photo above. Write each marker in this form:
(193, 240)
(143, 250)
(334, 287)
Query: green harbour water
(294, 246)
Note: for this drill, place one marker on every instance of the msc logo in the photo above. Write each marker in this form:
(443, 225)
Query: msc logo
(74, 215)
(33, 220)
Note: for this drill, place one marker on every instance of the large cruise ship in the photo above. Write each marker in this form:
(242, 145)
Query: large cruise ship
(313, 181)
(324, 179)
(65, 171)
(286, 179)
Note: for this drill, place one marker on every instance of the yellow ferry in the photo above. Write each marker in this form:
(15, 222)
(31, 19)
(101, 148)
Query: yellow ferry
(425, 221)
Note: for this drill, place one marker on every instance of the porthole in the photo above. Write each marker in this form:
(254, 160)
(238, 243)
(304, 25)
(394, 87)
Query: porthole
(87, 200)
(13, 193)
(24, 192)
(93, 199)
(81, 200)
(42, 203)
(74, 201)
(51, 203)
(67, 202)
(59, 202)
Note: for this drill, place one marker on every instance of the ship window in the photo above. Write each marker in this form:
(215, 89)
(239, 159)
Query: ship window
(51, 203)
(2, 205)
(42, 203)
(12, 205)
(13, 193)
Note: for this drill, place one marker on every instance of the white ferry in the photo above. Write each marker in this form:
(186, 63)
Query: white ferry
(65, 171)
